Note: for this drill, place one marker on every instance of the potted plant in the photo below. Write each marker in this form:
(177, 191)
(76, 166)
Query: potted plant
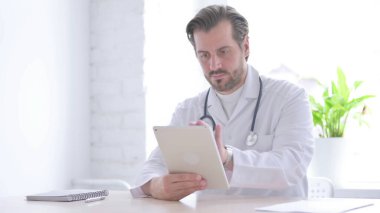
(330, 116)
(332, 113)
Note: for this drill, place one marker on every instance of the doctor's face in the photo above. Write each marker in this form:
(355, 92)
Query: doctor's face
(221, 58)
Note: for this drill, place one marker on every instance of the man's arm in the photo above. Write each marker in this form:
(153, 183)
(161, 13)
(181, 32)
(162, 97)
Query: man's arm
(174, 186)
(286, 163)
(155, 181)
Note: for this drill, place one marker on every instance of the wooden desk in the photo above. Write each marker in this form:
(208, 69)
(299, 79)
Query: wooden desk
(119, 201)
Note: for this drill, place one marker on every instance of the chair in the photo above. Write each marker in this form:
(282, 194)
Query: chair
(320, 187)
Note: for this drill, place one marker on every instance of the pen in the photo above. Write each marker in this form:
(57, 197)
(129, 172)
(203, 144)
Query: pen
(92, 199)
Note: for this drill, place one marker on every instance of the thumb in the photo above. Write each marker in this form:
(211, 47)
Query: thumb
(218, 140)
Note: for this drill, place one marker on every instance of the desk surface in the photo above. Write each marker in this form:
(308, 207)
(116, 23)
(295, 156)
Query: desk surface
(119, 201)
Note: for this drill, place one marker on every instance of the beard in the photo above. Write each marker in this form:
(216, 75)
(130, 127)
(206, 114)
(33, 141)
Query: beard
(230, 82)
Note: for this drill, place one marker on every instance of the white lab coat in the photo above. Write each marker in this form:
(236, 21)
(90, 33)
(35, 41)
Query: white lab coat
(277, 164)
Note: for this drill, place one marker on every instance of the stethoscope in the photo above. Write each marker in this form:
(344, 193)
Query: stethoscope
(252, 137)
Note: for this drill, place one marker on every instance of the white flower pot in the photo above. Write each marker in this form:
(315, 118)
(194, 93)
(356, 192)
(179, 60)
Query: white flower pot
(329, 159)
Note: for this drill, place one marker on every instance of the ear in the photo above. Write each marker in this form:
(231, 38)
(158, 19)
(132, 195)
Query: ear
(246, 46)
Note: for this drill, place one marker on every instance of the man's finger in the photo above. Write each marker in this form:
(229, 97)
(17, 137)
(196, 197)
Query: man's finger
(184, 177)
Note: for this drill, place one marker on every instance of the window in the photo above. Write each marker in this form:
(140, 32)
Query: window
(172, 72)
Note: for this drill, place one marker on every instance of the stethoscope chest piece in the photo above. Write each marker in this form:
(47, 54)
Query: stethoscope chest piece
(251, 139)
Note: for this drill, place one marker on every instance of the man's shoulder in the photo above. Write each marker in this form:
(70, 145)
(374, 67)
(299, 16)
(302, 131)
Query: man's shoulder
(193, 101)
(281, 87)
(189, 110)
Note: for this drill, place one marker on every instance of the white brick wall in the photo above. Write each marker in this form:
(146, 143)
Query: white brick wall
(117, 92)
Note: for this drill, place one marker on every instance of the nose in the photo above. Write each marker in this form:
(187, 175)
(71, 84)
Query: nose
(215, 62)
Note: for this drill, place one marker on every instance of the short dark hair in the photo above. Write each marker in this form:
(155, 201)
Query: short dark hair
(210, 16)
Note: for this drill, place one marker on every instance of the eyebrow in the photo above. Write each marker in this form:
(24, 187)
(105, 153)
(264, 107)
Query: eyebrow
(202, 51)
(220, 48)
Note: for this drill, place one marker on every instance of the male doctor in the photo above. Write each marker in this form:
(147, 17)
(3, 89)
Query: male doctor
(263, 126)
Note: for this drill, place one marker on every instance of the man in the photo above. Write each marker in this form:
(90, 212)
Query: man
(263, 126)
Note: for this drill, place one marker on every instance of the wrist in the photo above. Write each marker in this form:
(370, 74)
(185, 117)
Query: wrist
(229, 154)
(146, 188)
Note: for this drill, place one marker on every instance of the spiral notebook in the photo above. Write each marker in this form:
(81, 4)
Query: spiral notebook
(68, 195)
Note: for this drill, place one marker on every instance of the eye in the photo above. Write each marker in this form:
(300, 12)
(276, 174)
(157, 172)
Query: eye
(203, 56)
(224, 51)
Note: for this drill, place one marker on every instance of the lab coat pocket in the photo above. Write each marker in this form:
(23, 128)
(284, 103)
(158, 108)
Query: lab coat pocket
(264, 143)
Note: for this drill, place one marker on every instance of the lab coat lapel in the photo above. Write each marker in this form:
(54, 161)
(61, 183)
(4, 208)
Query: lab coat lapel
(215, 109)
(250, 92)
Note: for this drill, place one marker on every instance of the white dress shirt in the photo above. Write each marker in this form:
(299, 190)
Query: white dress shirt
(277, 164)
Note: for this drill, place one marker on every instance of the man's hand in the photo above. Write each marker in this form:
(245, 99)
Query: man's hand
(174, 186)
(218, 138)
(219, 142)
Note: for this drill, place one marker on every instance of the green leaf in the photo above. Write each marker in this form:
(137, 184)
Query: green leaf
(332, 114)
(343, 89)
(357, 84)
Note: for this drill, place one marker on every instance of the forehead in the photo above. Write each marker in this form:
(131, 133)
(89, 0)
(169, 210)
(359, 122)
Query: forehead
(217, 37)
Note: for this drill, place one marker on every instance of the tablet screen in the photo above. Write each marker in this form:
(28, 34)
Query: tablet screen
(192, 149)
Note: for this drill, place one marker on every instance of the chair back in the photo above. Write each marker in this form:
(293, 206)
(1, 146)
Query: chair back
(320, 187)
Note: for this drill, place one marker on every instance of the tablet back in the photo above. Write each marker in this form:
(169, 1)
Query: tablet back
(192, 149)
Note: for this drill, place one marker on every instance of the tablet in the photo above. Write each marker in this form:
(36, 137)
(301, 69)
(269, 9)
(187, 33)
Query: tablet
(192, 149)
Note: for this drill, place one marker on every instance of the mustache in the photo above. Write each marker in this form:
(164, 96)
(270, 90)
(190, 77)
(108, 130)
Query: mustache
(216, 72)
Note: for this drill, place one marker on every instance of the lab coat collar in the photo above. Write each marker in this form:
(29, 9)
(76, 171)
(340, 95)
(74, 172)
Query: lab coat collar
(250, 92)
(251, 85)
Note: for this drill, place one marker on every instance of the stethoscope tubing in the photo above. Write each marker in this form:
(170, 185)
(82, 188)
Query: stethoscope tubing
(257, 105)
(206, 115)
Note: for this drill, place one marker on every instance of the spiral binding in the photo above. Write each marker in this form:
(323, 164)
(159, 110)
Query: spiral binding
(83, 196)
